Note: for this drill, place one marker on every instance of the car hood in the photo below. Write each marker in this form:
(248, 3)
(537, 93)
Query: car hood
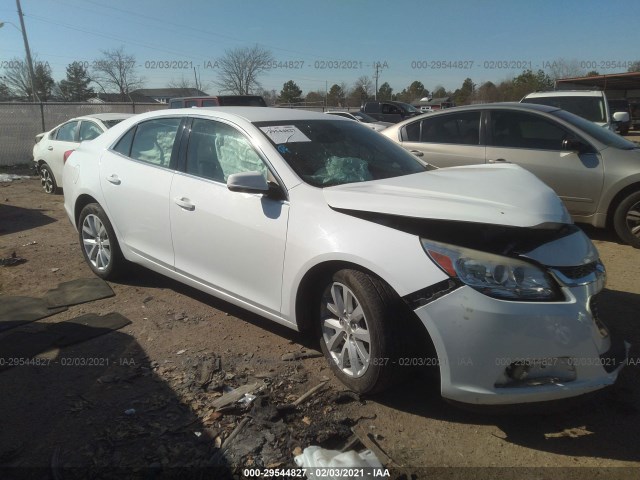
(493, 194)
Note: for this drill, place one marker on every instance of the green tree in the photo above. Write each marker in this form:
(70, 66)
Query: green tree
(593, 73)
(315, 97)
(464, 94)
(413, 92)
(385, 92)
(337, 95)
(635, 66)
(290, 93)
(528, 82)
(43, 81)
(75, 88)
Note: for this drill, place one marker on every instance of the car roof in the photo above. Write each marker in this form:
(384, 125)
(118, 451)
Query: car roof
(104, 116)
(252, 114)
(566, 93)
(498, 105)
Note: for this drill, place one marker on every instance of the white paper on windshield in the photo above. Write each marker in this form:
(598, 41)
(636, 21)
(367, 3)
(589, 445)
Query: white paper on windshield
(285, 134)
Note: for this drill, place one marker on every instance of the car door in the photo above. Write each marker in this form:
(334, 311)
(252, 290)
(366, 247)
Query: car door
(535, 142)
(448, 140)
(136, 180)
(233, 242)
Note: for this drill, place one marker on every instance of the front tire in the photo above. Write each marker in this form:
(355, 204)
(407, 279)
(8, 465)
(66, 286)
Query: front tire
(47, 179)
(359, 328)
(99, 243)
(626, 220)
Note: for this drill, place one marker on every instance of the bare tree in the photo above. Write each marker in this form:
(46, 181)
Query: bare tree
(241, 67)
(116, 70)
(563, 68)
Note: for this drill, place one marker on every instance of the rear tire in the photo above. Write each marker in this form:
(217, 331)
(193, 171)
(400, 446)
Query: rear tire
(47, 179)
(359, 329)
(626, 220)
(99, 243)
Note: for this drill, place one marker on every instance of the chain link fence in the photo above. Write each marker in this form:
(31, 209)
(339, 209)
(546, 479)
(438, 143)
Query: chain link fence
(21, 122)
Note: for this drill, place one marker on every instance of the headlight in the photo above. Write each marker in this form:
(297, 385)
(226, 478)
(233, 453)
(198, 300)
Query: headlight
(493, 275)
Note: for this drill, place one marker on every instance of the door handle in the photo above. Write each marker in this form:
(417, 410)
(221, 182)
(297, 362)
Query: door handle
(417, 153)
(498, 160)
(184, 203)
(49, 148)
(113, 178)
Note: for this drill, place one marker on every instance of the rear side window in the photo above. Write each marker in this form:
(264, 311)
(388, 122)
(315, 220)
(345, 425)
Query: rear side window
(153, 141)
(209, 103)
(89, 130)
(190, 103)
(459, 129)
(67, 132)
(124, 145)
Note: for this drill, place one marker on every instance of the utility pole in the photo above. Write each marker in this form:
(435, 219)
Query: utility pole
(376, 75)
(26, 47)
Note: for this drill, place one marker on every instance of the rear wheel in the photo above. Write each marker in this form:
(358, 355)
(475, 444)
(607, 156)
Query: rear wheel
(626, 219)
(99, 243)
(47, 179)
(359, 326)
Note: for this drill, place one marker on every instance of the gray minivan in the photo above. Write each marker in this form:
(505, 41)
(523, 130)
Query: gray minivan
(593, 170)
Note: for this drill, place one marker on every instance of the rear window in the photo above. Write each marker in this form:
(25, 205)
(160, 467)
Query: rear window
(242, 101)
(112, 123)
(591, 108)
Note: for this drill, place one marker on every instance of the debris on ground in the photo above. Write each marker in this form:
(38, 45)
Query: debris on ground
(12, 260)
(315, 457)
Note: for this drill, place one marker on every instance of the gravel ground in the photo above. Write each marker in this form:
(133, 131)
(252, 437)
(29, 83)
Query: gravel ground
(146, 405)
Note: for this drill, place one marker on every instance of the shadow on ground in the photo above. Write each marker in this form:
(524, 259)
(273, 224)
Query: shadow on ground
(17, 219)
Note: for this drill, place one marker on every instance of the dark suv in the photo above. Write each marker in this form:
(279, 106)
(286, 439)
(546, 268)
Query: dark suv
(392, 112)
(219, 101)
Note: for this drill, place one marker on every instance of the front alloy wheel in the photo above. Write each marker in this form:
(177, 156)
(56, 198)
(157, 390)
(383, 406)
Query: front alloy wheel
(359, 328)
(345, 331)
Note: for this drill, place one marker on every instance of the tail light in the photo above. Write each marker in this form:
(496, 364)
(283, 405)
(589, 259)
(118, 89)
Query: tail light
(66, 155)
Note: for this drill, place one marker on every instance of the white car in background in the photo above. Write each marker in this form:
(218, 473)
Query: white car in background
(366, 120)
(320, 224)
(50, 147)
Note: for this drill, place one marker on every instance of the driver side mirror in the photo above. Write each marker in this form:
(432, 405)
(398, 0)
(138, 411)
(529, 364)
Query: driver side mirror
(621, 117)
(575, 145)
(248, 182)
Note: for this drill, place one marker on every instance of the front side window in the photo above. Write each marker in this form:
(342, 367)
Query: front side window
(89, 130)
(524, 130)
(333, 152)
(217, 150)
(459, 129)
(67, 132)
(153, 141)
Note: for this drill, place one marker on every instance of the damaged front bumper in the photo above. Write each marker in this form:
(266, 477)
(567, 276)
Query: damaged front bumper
(505, 351)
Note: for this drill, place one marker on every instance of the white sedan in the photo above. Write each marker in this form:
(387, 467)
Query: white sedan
(50, 147)
(322, 225)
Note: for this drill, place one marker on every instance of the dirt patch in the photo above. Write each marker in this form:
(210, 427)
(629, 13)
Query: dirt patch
(140, 401)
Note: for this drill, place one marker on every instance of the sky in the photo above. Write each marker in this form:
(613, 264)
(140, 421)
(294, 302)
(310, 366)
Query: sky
(322, 42)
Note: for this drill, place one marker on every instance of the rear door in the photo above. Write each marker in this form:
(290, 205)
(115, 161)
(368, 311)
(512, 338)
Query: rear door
(64, 138)
(136, 178)
(448, 140)
(534, 142)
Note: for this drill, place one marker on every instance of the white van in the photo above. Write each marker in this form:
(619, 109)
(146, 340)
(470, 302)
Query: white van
(589, 104)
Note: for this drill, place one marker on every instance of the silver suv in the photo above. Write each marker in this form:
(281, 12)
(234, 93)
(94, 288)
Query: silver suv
(594, 171)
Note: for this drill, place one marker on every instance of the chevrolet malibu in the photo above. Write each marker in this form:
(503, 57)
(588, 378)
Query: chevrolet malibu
(322, 225)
